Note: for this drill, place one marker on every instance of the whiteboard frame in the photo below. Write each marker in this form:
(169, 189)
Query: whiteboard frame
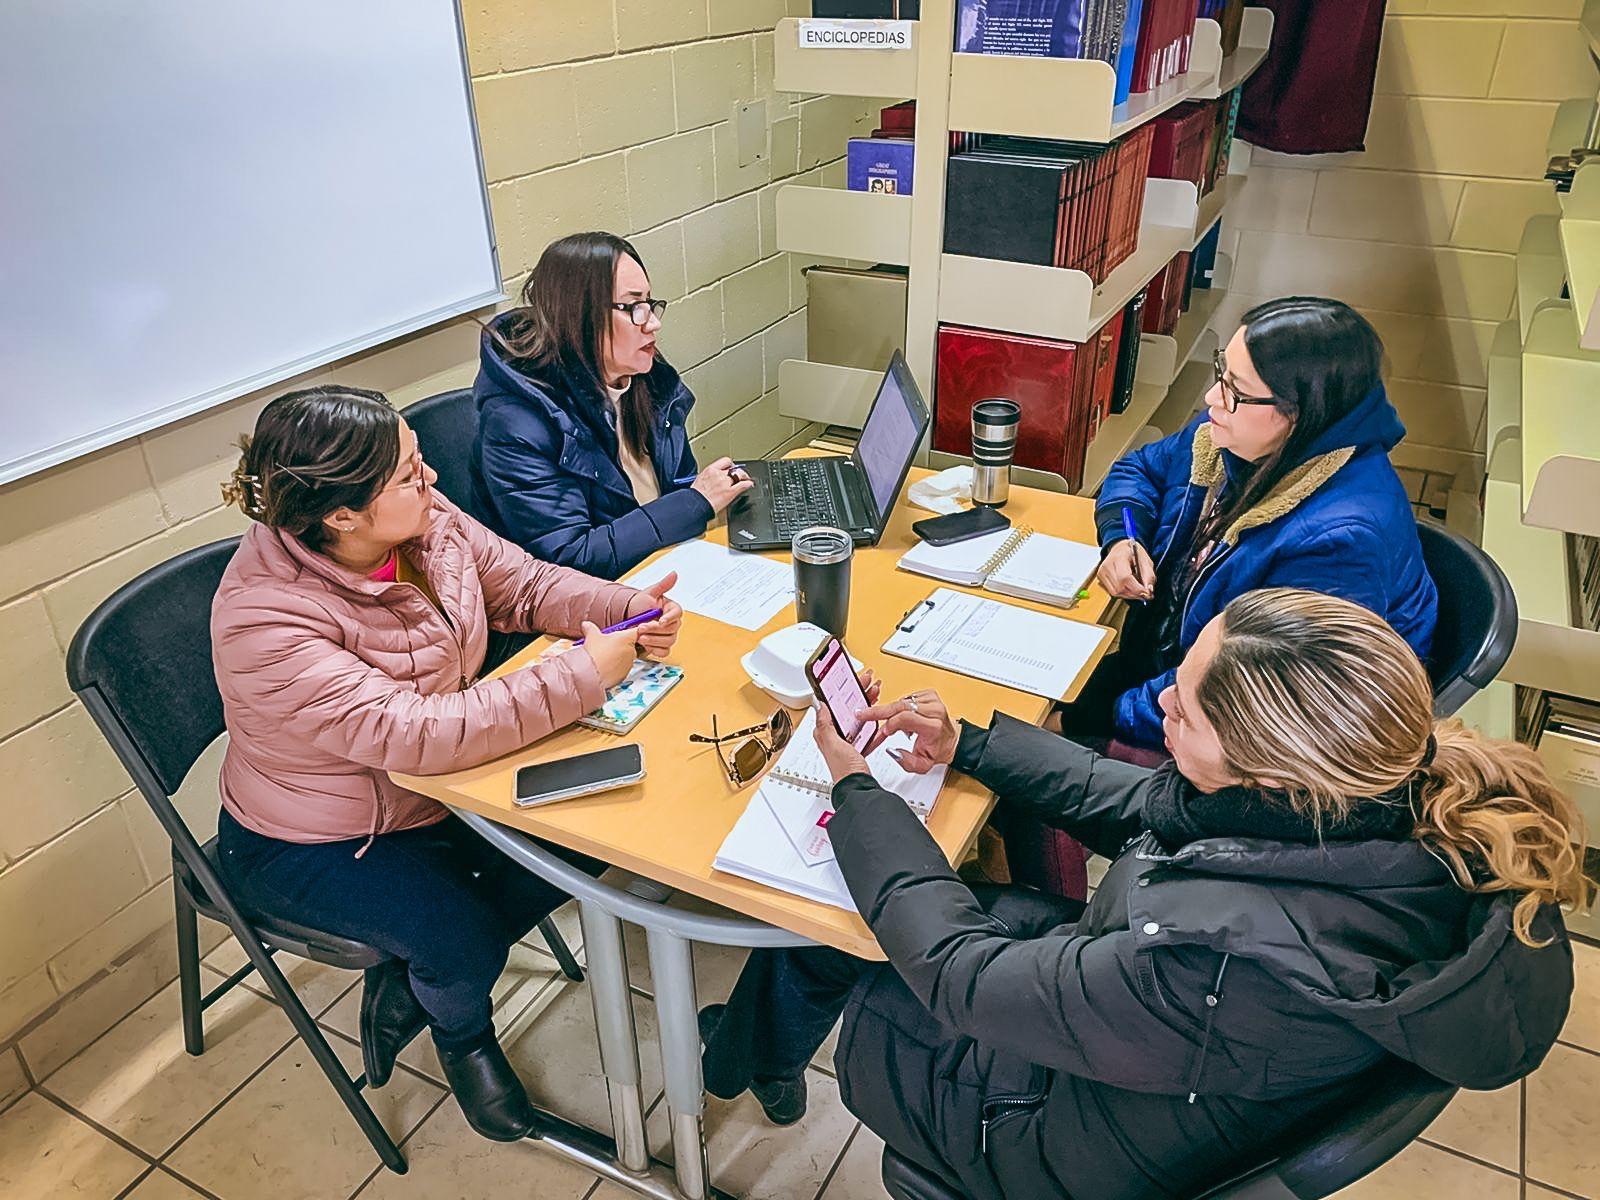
(14, 469)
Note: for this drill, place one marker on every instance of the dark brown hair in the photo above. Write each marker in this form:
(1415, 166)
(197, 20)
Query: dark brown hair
(314, 452)
(1320, 359)
(565, 319)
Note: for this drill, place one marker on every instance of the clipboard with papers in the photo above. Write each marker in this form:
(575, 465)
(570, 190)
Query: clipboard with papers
(1000, 643)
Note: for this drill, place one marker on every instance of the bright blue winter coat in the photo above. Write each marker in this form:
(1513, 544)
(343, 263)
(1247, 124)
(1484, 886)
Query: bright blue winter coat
(546, 472)
(1340, 523)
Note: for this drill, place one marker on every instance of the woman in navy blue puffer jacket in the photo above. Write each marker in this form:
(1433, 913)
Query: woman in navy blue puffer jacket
(1284, 481)
(583, 453)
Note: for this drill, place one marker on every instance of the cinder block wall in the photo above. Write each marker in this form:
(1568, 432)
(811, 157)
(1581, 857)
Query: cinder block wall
(1419, 230)
(609, 114)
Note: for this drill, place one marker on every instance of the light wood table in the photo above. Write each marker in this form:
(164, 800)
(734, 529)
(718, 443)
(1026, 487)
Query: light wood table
(661, 835)
(668, 827)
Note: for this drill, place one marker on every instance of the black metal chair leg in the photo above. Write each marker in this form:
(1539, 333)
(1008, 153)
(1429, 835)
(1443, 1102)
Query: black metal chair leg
(347, 1088)
(563, 952)
(194, 1034)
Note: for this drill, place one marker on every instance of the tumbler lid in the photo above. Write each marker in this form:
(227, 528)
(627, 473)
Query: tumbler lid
(821, 545)
(997, 411)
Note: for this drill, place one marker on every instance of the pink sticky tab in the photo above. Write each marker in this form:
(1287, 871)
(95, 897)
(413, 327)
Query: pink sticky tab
(822, 821)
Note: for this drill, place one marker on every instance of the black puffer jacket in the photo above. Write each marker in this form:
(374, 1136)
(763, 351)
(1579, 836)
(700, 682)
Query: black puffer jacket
(1215, 993)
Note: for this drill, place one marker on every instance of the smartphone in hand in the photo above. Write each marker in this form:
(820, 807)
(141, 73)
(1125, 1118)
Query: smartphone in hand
(833, 678)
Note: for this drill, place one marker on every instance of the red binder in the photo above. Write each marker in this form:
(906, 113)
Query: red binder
(1052, 381)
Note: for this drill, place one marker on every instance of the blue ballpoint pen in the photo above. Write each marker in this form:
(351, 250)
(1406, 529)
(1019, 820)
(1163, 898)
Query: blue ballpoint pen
(1132, 530)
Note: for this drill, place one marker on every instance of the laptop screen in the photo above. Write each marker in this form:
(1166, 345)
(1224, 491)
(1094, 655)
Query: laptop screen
(889, 440)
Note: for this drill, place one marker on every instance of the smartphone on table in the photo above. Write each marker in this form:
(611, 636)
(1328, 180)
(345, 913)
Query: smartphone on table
(580, 775)
(833, 679)
(960, 526)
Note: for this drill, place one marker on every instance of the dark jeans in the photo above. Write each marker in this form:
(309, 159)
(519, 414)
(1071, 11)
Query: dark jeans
(440, 899)
(786, 1001)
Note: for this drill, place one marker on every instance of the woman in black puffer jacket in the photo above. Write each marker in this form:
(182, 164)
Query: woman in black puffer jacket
(1320, 880)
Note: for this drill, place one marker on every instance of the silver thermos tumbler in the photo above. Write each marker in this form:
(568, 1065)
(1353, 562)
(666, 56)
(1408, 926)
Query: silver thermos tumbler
(994, 443)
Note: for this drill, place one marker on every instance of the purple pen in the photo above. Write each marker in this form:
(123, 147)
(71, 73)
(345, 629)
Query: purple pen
(643, 618)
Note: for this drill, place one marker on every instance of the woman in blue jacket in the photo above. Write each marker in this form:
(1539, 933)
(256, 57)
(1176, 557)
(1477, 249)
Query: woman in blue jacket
(582, 455)
(1284, 481)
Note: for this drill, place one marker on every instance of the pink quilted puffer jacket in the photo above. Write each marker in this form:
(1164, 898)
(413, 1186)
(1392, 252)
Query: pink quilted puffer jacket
(330, 680)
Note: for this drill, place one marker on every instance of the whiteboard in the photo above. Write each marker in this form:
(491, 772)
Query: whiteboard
(200, 198)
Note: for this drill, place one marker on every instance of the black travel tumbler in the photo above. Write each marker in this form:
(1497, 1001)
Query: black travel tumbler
(822, 577)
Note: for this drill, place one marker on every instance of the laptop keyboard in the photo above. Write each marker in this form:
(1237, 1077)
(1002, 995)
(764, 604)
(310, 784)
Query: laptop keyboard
(801, 496)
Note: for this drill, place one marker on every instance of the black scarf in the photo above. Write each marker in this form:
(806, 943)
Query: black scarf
(1179, 813)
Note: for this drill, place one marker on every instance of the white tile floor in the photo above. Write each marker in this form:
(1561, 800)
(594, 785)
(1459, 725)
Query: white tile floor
(134, 1116)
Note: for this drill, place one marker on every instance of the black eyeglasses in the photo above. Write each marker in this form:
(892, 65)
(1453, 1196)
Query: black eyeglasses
(1231, 396)
(752, 757)
(639, 311)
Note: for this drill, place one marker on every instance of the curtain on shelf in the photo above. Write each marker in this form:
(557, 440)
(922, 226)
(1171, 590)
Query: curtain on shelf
(1314, 92)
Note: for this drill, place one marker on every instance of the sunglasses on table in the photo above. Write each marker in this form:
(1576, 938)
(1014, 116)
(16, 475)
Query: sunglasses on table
(751, 757)
(1231, 396)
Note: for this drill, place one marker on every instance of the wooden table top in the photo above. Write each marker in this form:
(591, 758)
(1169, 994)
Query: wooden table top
(669, 826)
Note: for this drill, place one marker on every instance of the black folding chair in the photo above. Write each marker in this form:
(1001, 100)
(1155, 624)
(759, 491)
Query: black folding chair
(1396, 1103)
(141, 664)
(446, 426)
(1477, 617)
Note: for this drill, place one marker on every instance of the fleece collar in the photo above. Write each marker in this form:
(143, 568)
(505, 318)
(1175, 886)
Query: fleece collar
(1209, 471)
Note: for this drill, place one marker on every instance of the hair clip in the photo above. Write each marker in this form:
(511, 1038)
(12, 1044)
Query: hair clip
(244, 490)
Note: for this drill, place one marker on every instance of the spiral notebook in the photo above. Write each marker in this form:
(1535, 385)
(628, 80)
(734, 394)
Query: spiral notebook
(781, 839)
(1013, 562)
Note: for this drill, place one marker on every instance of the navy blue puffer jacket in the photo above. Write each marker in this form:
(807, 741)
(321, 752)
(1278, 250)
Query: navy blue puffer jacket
(546, 472)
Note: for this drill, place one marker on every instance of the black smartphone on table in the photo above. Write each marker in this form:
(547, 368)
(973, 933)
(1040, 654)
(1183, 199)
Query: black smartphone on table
(960, 526)
(833, 678)
(580, 775)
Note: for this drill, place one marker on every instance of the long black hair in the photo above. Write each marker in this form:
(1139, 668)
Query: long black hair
(314, 452)
(565, 319)
(1320, 359)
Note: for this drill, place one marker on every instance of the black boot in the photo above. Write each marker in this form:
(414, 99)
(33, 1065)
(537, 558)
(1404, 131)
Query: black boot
(390, 1018)
(782, 1100)
(491, 1096)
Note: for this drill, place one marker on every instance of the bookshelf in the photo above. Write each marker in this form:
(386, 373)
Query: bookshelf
(1542, 438)
(1036, 97)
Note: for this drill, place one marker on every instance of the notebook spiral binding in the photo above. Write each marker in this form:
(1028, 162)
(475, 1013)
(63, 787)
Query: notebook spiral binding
(1012, 544)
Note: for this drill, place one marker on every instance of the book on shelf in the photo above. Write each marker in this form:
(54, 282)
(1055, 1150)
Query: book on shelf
(1181, 143)
(1203, 259)
(877, 164)
(880, 10)
(1164, 305)
(1128, 352)
(1566, 732)
(1057, 204)
(1065, 390)
(1585, 551)
(1166, 31)
(1229, 16)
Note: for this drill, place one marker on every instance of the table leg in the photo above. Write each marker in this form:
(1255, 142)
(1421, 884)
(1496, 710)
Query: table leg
(672, 970)
(619, 1043)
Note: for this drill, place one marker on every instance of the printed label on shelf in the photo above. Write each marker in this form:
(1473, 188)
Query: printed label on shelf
(819, 33)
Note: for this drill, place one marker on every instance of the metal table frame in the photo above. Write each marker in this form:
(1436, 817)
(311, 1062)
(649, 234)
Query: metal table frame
(603, 905)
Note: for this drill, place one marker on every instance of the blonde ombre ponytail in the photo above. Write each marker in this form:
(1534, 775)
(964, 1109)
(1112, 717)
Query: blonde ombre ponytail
(1322, 700)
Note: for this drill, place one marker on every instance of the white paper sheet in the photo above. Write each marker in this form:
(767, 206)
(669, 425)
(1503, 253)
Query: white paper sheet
(737, 589)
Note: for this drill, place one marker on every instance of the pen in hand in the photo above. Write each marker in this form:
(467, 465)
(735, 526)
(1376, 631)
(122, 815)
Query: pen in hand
(643, 618)
(1132, 532)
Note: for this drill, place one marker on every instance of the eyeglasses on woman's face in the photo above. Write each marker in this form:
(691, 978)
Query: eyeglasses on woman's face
(1232, 397)
(640, 311)
(413, 479)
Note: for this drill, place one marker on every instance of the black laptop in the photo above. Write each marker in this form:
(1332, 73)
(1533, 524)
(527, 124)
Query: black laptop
(855, 494)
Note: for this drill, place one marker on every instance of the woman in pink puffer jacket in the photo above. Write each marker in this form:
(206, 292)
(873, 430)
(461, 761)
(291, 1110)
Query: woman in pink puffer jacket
(348, 633)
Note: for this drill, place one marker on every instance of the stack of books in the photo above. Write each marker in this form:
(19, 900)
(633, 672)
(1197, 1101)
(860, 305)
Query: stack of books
(1065, 390)
(1566, 732)
(1164, 299)
(1146, 42)
(884, 162)
(1058, 204)
(1184, 145)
